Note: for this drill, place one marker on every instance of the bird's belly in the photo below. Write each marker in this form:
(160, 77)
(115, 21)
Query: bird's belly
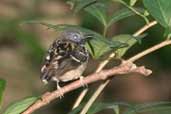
(73, 74)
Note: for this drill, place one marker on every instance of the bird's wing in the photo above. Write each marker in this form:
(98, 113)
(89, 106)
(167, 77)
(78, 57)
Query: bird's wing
(66, 65)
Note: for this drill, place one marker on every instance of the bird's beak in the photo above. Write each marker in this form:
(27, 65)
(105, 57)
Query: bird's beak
(88, 36)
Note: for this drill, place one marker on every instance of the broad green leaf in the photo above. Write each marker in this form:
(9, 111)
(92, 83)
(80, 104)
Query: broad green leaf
(102, 46)
(120, 1)
(97, 46)
(81, 4)
(102, 106)
(20, 106)
(160, 10)
(119, 15)
(132, 2)
(122, 14)
(151, 108)
(2, 88)
(125, 38)
(98, 11)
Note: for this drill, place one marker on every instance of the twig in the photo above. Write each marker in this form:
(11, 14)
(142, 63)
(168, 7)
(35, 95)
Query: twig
(124, 68)
(100, 67)
(144, 28)
(132, 59)
(103, 85)
(154, 48)
(94, 96)
(80, 98)
(47, 98)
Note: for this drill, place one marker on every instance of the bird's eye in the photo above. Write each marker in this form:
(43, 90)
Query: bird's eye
(75, 36)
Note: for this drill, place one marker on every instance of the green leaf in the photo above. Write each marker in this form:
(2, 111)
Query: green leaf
(119, 15)
(2, 88)
(81, 4)
(97, 46)
(98, 10)
(133, 2)
(102, 46)
(160, 10)
(124, 38)
(151, 108)
(101, 106)
(120, 1)
(122, 14)
(97, 107)
(77, 110)
(20, 106)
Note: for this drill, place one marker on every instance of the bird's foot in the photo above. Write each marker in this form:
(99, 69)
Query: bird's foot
(61, 92)
(82, 82)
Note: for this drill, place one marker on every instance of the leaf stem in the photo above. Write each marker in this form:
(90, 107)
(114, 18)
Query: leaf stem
(135, 11)
(105, 31)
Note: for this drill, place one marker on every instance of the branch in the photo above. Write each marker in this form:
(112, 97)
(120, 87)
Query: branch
(154, 48)
(99, 68)
(144, 28)
(124, 68)
(104, 84)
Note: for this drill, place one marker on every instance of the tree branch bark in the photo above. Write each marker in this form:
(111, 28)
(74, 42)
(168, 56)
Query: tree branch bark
(124, 68)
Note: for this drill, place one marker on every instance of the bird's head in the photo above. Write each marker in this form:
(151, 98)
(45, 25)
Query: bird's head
(76, 36)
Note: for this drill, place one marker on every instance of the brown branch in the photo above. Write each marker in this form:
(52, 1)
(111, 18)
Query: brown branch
(99, 68)
(104, 84)
(124, 68)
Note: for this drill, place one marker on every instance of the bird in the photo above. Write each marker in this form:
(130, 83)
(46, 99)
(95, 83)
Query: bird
(67, 58)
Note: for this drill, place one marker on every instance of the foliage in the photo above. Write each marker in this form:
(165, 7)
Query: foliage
(151, 107)
(101, 43)
(2, 88)
(20, 106)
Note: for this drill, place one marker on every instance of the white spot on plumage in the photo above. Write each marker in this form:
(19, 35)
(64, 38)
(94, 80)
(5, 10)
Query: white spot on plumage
(48, 57)
(75, 59)
(43, 68)
(45, 81)
(58, 57)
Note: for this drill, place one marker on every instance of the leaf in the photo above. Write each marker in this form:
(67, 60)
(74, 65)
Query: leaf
(81, 4)
(97, 107)
(152, 108)
(102, 46)
(98, 11)
(120, 1)
(122, 14)
(101, 106)
(133, 2)
(97, 46)
(160, 10)
(76, 110)
(124, 38)
(20, 106)
(2, 88)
